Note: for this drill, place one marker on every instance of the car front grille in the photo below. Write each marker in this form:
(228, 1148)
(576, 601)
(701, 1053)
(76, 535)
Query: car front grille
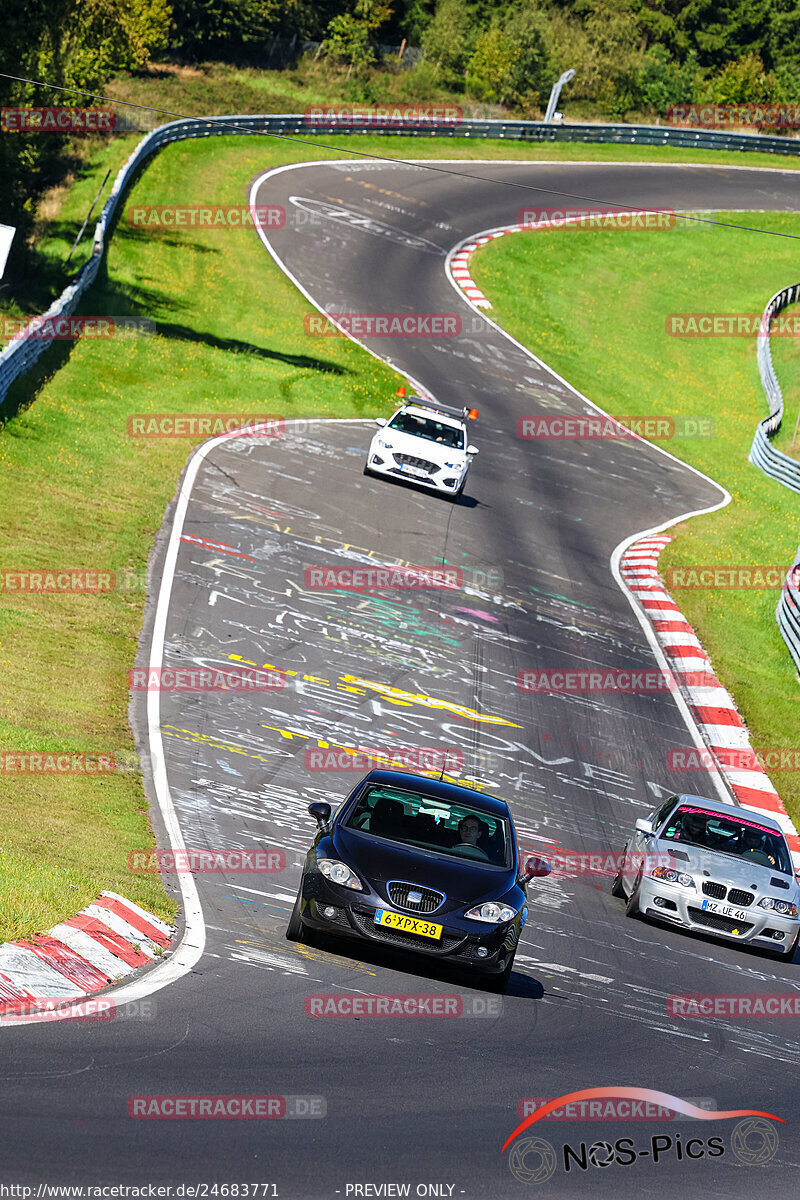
(398, 894)
(717, 921)
(422, 464)
(735, 896)
(445, 944)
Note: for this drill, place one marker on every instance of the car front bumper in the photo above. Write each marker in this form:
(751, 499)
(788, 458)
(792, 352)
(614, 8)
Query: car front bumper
(677, 905)
(445, 481)
(326, 909)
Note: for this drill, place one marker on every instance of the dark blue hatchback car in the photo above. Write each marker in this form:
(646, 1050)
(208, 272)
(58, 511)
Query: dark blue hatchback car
(421, 866)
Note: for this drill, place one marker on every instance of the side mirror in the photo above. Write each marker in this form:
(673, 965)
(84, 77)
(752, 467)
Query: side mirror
(472, 449)
(534, 868)
(321, 812)
(644, 825)
(380, 421)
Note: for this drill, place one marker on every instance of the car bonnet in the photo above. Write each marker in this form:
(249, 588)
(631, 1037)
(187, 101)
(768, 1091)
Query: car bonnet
(726, 869)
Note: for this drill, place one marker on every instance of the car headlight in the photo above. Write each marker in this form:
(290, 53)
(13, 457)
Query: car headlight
(783, 907)
(386, 445)
(339, 872)
(454, 465)
(492, 912)
(670, 876)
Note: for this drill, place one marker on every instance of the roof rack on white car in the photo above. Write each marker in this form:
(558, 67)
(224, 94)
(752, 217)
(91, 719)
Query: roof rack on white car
(462, 413)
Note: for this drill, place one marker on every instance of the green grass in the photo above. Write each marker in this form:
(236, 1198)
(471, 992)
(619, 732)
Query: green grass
(593, 305)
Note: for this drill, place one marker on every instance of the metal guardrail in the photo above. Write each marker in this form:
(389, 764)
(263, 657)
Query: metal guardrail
(778, 466)
(763, 454)
(787, 613)
(25, 349)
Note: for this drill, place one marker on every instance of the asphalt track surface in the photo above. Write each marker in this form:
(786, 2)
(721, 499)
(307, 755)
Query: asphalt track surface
(418, 1102)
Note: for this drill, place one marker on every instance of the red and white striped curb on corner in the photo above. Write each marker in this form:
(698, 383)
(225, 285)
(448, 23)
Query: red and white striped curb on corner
(83, 954)
(712, 706)
(459, 267)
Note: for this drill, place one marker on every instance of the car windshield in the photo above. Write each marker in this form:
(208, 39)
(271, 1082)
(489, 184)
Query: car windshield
(431, 824)
(728, 835)
(431, 430)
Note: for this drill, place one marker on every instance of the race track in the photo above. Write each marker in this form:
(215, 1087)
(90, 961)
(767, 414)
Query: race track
(417, 1101)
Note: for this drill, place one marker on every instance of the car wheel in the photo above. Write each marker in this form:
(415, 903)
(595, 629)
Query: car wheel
(367, 471)
(616, 887)
(499, 983)
(632, 907)
(295, 930)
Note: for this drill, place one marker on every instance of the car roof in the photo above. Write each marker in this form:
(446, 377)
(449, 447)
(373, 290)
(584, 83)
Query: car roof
(438, 789)
(747, 814)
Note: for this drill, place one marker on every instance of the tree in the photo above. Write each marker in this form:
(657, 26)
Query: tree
(349, 37)
(446, 41)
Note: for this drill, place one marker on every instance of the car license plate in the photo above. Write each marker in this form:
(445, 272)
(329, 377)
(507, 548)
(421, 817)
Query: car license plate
(408, 924)
(413, 471)
(725, 910)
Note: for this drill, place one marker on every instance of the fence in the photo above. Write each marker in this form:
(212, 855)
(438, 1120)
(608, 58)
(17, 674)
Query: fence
(787, 613)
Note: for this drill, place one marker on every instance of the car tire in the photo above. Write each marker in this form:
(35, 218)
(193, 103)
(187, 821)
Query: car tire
(616, 887)
(295, 930)
(632, 907)
(367, 472)
(499, 983)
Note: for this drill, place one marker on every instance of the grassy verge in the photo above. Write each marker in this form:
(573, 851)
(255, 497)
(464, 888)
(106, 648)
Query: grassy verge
(594, 305)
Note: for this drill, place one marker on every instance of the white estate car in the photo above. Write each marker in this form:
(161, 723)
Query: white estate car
(426, 443)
